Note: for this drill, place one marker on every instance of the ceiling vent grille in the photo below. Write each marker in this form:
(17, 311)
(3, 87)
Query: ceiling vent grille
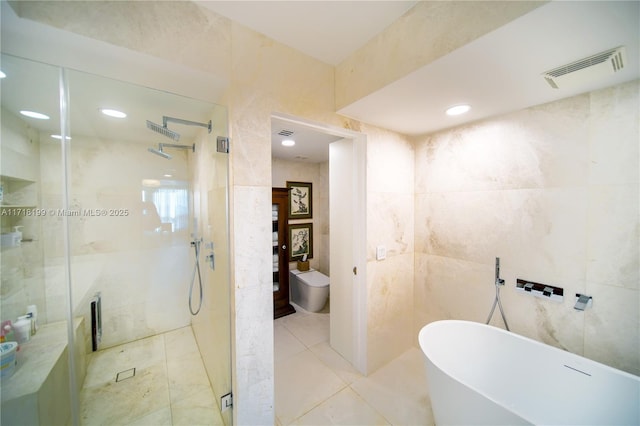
(286, 133)
(587, 69)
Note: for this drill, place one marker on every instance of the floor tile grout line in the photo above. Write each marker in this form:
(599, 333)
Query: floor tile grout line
(320, 403)
(294, 336)
(369, 405)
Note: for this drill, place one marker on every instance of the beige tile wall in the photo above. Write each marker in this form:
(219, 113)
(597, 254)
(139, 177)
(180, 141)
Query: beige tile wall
(552, 191)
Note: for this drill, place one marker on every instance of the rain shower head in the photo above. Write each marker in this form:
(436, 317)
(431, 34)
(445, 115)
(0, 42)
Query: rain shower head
(161, 146)
(163, 130)
(160, 152)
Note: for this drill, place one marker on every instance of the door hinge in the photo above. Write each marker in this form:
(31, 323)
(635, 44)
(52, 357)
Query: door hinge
(222, 144)
(226, 402)
(355, 270)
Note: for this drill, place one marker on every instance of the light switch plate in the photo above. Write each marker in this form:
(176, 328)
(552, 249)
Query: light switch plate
(381, 253)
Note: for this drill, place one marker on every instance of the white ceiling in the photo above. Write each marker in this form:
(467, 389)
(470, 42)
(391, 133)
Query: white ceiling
(326, 30)
(501, 71)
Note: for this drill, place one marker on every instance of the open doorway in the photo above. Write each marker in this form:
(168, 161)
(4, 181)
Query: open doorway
(337, 159)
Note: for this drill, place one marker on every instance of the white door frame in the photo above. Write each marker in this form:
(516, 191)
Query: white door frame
(360, 231)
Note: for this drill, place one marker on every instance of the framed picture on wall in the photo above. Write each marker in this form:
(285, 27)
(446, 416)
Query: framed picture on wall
(300, 202)
(300, 241)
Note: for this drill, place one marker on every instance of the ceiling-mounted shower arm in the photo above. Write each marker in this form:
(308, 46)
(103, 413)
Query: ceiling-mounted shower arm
(173, 145)
(166, 119)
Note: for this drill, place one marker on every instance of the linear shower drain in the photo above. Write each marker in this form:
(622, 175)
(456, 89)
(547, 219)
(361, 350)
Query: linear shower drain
(126, 374)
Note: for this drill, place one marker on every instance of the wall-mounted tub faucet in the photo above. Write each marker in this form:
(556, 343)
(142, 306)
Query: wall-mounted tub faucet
(582, 302)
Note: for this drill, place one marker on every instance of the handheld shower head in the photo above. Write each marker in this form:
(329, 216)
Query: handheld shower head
(160, 152)
(163, 130)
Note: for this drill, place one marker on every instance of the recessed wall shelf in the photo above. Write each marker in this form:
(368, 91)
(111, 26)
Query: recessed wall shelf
(543, 291)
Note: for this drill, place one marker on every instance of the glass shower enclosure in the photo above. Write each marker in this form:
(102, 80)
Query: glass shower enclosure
(115, 232)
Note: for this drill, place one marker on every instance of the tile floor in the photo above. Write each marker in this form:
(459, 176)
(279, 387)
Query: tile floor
(170, 385)
(314, 385)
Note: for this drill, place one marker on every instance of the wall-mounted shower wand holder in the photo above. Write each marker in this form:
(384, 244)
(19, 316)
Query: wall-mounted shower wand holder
(543, 291)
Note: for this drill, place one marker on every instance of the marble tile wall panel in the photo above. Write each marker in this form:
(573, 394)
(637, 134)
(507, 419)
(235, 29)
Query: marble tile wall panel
(254, 361)
(389, 309)
(252, 306)
(613, 130)
(390, 161)
(390, 222)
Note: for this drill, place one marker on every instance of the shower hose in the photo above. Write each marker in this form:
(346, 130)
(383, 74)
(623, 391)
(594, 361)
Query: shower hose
(196, 267)
(497, 302)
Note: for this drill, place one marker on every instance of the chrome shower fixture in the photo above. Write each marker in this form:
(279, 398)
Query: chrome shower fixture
(160, 152)
(165, 131)
(161, 146)
(498, 283)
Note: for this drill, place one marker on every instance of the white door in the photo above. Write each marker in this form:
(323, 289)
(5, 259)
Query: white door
(347, 167)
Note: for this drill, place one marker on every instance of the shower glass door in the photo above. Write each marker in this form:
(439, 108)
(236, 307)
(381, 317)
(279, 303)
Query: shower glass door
(135, 220)
(34, 379)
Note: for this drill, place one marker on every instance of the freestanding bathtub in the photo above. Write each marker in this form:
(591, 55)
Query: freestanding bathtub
(480, 374)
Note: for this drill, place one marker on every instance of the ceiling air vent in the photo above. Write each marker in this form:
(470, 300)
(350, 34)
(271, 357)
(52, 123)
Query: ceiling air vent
(286, 133)
(587, 69)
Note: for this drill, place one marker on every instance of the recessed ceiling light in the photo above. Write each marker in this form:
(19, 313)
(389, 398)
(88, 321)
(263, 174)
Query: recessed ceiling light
(60, 137)
(458, 109)
(288, 142)
(34, 114)
(2, 75)
(113, 113)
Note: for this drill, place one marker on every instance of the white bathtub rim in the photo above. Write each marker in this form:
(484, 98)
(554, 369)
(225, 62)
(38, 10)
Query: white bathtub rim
(517, 336)
(426, 351)
(463, 382)
(510, 409)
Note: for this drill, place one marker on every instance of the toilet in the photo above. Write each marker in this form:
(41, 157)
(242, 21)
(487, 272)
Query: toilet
(309, 289)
